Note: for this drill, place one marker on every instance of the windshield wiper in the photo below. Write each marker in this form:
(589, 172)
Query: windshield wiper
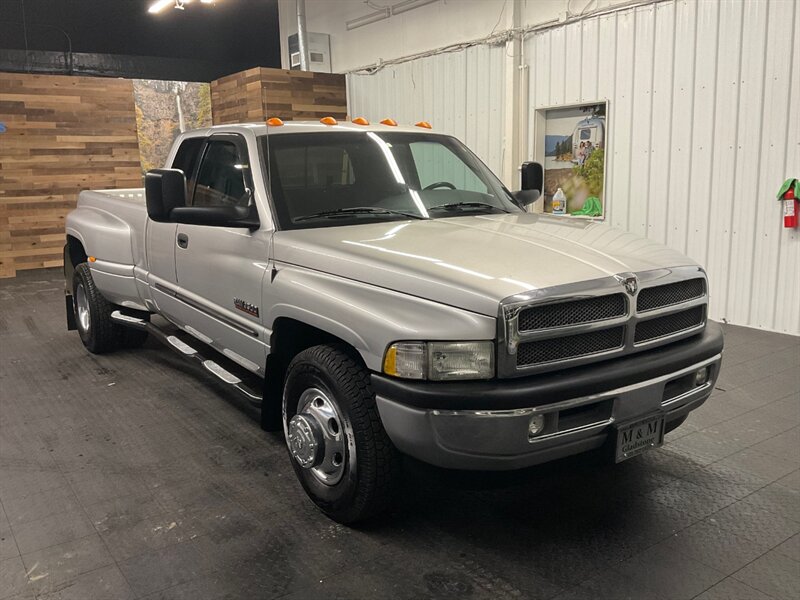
(358, 210)
(460, 205)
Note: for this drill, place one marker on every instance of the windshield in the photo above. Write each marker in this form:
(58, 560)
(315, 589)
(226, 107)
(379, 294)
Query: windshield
(344, 178)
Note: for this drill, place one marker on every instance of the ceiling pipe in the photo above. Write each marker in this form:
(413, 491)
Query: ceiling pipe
(302, 34)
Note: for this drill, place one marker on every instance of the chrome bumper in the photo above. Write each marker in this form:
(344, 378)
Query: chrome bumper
(499, 440)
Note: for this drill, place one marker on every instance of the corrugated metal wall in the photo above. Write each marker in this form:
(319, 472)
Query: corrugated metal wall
(704, 121)
(462, 93)
(704, 126)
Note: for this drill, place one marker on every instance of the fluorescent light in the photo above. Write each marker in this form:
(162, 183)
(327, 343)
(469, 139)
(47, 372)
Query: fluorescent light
(160, 5)
(373, 17)
(407, 5)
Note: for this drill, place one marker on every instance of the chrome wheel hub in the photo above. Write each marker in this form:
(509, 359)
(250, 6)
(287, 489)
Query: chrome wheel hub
(305, 440)
(82, 308)
(318, 437)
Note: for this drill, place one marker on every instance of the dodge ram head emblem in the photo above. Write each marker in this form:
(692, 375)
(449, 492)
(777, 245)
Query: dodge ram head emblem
(629, 281)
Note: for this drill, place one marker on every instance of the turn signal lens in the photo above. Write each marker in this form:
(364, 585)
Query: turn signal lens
(424, 124)
(440, 361)
(405, 359)
(91, 259)
(328, 121)
(360, 121)
(389, 122)
(274, 122)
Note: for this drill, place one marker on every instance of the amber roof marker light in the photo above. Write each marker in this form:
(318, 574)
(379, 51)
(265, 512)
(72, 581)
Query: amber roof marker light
(328, 121)
(274, 122)
(360, 121)
(424, 124)
(389, 122)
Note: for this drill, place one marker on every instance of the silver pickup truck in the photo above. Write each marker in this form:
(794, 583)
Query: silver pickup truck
(378, 292)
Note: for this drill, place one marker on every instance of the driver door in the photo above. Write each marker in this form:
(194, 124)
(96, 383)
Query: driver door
(220, 269)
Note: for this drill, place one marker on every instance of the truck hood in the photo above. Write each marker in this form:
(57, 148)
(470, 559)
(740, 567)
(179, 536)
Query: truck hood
(473, 262)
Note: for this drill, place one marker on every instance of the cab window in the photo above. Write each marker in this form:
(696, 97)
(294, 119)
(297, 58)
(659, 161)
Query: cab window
(186, 158)
(222, 178)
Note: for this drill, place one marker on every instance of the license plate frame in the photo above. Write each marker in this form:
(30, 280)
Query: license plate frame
(636, 437)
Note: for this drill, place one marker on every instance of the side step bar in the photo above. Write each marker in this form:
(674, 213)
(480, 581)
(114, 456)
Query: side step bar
(243, 382)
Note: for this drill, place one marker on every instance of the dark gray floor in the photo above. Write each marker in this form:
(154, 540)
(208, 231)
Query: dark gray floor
(128, 476)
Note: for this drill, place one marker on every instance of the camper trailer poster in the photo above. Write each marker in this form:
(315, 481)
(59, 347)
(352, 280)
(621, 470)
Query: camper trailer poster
(574, 149)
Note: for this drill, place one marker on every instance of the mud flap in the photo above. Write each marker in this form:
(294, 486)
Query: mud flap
(71, 325)
(69, 270)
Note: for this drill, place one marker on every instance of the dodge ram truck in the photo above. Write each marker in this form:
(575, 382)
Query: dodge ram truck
(377, 292)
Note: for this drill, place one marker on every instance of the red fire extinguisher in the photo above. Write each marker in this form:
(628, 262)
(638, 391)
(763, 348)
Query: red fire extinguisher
(789, 194)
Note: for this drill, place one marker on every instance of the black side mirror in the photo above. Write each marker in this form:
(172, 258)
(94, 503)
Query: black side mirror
(164, 189)
(217, 216)
(532, 176)
(532, 181)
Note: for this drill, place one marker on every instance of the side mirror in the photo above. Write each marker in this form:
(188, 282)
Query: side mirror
(526, 197)
(217, 216)
(532, 183)
(164, 189)
(532, 176)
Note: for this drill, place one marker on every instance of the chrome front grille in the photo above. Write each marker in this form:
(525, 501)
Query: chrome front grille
(553, 328)
(667, 325)
(570, 346)
(563, 314)
(668, 295)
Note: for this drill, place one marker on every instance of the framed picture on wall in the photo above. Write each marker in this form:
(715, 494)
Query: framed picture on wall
(571, 142)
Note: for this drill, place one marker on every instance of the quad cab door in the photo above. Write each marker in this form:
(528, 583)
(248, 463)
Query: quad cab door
(162, 280)
(220, 269)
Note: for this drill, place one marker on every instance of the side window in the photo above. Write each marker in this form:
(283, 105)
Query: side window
(221, 179)
(436, 163)
(186, 158)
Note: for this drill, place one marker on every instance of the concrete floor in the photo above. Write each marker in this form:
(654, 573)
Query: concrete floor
(132, 476)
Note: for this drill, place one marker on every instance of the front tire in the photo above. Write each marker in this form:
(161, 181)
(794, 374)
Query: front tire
(98, 331)
(336, 441)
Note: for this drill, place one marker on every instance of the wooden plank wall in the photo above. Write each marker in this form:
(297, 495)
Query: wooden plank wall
(64, 134)
(260, 93)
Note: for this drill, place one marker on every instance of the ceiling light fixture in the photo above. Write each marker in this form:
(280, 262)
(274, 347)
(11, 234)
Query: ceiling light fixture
(160, 5)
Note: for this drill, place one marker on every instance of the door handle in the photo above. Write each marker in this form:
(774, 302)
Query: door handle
(183, 240)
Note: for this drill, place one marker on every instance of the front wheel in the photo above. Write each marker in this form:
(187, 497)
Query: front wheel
(98, 331)
(337, 444)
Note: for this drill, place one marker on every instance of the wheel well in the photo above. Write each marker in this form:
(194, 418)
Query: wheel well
(74, 254)
(289, 338)
(75, 251)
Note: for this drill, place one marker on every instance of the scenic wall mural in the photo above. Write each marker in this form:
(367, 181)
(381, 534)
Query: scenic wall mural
(164, 109)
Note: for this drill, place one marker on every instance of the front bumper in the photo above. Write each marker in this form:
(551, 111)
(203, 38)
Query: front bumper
(484, 425)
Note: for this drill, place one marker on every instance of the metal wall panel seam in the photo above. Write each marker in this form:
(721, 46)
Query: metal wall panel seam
(714, 256)
(736, 110)
(768, 240)
(758, 175)
(634, 105)
(610, 152)
(658, 196)
(712, 147)
(791, 274)
(690, 147)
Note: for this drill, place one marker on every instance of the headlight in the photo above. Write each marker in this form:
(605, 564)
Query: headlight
(440, 361)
